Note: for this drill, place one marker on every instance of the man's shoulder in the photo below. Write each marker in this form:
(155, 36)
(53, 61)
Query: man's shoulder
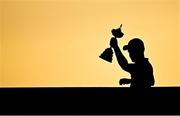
(146, 61)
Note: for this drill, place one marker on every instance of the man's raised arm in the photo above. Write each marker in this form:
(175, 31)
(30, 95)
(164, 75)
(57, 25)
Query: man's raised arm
(120, 57)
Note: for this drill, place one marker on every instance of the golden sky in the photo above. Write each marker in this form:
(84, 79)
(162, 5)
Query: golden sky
(58, 42)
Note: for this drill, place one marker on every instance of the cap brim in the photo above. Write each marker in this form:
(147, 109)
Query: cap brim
(125, 47)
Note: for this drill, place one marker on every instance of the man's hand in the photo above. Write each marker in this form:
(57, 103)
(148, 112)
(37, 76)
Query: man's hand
(113, 42)
(124, 81)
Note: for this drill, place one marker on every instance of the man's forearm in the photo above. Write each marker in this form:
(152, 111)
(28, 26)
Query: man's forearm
(120, 58)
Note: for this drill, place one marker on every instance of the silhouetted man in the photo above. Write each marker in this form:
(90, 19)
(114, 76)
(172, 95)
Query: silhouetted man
(141, 70)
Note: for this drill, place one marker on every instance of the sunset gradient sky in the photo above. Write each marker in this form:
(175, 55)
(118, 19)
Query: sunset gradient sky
(58, 42)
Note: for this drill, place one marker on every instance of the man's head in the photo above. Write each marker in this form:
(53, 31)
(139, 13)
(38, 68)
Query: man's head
(136, 49)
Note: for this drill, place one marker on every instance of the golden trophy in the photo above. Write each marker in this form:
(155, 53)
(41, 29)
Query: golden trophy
(107, 55)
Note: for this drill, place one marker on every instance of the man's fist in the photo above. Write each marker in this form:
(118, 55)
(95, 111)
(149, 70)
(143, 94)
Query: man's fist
(113, 42)
(124, 81)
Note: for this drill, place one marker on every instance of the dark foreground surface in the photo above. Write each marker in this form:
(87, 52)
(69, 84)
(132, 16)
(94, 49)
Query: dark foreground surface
(93, 100)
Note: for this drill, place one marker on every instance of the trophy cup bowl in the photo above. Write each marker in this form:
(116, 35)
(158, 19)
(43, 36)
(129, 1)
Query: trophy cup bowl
(117, 33)
(108, 52)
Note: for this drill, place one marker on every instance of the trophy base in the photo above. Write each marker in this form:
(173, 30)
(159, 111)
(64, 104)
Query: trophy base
(107, 55)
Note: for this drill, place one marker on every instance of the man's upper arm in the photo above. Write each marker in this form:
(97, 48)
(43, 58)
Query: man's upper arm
(128, 67)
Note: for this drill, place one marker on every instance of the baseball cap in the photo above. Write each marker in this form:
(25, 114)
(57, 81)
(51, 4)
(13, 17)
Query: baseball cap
(135, 44)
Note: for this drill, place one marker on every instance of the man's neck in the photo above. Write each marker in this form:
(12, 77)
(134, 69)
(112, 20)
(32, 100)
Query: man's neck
(140, 60)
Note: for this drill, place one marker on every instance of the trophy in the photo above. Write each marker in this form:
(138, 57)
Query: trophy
(107, 55)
